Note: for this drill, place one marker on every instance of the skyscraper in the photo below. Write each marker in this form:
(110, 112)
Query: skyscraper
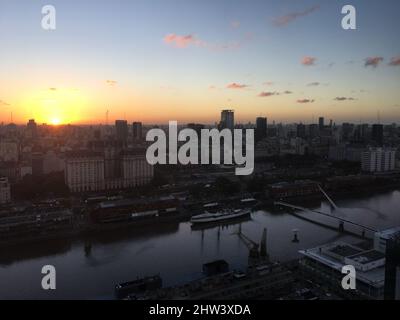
(227, 119)
(121, 127)
(261, 128)
(321, 123)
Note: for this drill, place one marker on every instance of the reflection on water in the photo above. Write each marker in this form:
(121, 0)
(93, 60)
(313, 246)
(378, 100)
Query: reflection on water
(90, 267)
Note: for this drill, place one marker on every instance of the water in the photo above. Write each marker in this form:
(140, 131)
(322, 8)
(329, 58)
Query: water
(89, 268)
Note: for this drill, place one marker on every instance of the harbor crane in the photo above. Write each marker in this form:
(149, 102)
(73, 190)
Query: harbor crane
(256, 251)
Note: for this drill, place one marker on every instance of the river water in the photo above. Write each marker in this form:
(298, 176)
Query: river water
(89, 268)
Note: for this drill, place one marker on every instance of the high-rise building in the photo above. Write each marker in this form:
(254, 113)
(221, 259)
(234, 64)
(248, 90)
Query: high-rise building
(121, 127)
(392, 268)
(261, 128)
(137, 131)
(32, 128)
(227, 119)
(321, 123)
(377, 134)
(378, 159)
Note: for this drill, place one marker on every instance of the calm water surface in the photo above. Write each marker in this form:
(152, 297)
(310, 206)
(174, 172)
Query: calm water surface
(89, 268)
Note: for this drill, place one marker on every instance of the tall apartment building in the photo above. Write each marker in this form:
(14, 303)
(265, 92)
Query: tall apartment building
(5, 195)
(378, 160)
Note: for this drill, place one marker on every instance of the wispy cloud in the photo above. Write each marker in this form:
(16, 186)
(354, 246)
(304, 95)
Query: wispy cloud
(235, 85)
(3, 103)
(305, 101)
(268, 94)
(344, 99)
(373, 61)
(313, 84)
(181, 41)
(111, 83)
(395, 61)
(308, 61)
(292, 16)
(53, 89)
(185, 41)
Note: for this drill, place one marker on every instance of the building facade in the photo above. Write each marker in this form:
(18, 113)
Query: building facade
(85, 171)
(378, 160)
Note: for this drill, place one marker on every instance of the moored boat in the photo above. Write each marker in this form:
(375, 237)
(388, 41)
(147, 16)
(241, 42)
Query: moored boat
(220, 216)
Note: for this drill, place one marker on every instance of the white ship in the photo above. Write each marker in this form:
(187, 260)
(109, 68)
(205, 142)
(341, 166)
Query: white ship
(220, 216)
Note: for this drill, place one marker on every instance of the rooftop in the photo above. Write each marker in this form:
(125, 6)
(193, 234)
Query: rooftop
(374, 277)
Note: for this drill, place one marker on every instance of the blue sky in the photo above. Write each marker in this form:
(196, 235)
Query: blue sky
(235, 55)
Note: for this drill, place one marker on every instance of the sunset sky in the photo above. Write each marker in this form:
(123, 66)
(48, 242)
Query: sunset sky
(185, 60)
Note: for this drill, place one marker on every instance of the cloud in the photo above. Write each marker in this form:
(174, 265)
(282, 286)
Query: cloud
(287, 92)
(3, 103)
(235, 85)
(290, 17)
(308, 61)
(111, 83)
(53, 89)
(268, 83)
(268, 94)
(373, 61)
(313, 84)
(395, 61)
(180, 41)
(305, 101)
(184, 41)
(344, 99)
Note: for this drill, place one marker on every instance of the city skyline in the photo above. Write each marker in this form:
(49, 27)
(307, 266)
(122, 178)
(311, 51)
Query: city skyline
(154, 63)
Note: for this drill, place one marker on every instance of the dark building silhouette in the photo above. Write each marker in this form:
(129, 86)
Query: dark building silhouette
(261, 128)
(392, 268)
(121, 127)
(377, 134)
(321, 123)
(301, 131)
(137, 131)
